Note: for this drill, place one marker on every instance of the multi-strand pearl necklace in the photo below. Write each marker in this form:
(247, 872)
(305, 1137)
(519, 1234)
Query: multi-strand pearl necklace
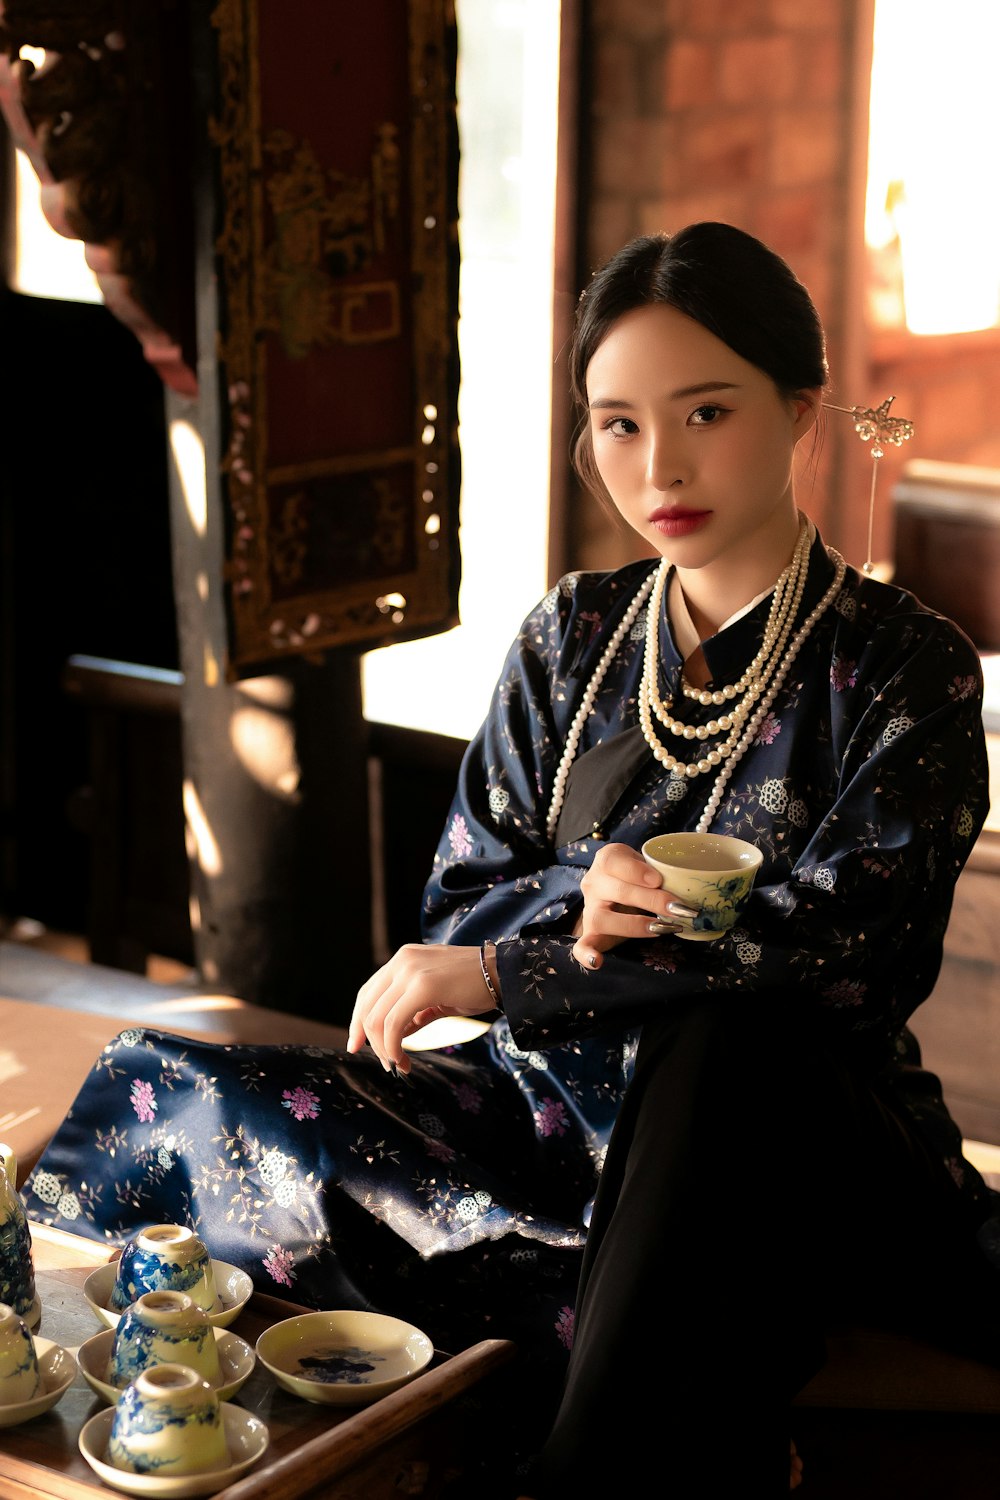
(587, 703)
(783, 612)
(752, 684)
(760, 712)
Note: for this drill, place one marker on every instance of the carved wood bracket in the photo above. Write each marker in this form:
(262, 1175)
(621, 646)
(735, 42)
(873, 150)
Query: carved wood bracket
(111, 154)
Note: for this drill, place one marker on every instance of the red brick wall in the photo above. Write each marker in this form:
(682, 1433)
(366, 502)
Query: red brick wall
(740, 110)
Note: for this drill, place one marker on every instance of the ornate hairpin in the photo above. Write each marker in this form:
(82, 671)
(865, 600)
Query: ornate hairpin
(874, 425)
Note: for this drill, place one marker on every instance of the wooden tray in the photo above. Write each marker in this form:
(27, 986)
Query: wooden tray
(410, 1442)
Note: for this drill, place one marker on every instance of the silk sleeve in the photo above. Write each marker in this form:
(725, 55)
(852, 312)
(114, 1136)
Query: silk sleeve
(856, 926)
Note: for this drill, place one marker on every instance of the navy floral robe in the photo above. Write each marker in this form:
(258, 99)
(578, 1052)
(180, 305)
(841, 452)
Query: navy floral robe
(459, 1197)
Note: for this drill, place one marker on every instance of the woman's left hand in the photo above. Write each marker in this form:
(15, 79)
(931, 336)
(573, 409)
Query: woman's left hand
(421, 982)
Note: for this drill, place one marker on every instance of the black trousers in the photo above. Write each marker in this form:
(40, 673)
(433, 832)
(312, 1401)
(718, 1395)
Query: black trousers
(759, 1185)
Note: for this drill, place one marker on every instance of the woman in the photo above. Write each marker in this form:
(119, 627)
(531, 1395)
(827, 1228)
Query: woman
(734, 1139)
(777, 1155)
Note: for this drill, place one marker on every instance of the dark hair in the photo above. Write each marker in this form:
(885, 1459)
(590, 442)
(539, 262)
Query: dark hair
(724, 279)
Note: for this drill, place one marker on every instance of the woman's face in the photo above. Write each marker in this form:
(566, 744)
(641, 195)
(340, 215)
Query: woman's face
(694, 443)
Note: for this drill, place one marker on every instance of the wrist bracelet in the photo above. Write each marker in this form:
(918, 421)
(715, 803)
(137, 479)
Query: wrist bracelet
(488, 981)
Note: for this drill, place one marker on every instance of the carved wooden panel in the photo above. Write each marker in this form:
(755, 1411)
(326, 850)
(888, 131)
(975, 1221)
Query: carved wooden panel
(337, 262)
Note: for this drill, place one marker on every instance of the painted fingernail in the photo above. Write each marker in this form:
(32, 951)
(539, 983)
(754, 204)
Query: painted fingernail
(662, 929)
(593, 960)
(677, 910)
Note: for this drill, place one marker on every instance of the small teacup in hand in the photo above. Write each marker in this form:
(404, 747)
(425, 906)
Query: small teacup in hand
(711, 872)
(20, 1378)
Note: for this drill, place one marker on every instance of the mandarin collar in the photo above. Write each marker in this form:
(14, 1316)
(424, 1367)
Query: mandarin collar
(728, 651)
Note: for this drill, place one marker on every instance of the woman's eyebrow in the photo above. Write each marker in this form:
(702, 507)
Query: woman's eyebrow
(703, 387)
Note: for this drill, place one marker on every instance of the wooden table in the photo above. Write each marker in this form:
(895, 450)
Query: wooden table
(412, 1442)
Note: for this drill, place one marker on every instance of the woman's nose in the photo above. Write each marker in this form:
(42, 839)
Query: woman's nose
(665, 465)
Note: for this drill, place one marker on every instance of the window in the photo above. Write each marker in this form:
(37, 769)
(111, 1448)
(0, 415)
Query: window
(933, 210)
(508, 78)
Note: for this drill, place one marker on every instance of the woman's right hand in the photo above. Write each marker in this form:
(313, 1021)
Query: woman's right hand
(420, 983)
(622, 898)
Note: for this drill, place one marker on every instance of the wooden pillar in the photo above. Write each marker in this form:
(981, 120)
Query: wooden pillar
(314, 483)
(275, 782)
(275, 778)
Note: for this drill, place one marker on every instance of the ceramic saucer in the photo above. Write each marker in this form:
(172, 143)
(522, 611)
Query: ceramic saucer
(236, 1357)
(246, 1440)
(343, 1358)
(234, 1286)
(58, 1371)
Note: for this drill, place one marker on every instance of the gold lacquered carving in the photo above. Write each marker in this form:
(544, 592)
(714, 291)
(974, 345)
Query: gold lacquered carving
(327, 224)
(314, 258)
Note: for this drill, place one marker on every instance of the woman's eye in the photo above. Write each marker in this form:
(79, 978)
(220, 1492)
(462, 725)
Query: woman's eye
(621, 427)
(704, 416)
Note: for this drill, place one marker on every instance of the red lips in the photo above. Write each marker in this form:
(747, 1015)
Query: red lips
(677, 521)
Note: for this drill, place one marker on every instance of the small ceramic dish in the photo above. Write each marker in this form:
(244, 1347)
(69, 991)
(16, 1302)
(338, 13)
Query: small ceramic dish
(58, 1371)
(246, 1440)
(235, 1289)
(343, 1358)
(236, 1357)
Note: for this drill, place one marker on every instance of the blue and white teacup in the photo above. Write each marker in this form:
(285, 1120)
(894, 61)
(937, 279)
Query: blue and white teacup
(17, 1270)
(168, 1421)
(712, 874)
(20, 1377)
(165, 1258)
(163, 1328)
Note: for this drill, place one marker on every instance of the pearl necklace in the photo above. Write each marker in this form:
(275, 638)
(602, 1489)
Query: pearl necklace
(587, 703)
(714, 802)
(784, 607)
(749, 733)
(787, 593)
